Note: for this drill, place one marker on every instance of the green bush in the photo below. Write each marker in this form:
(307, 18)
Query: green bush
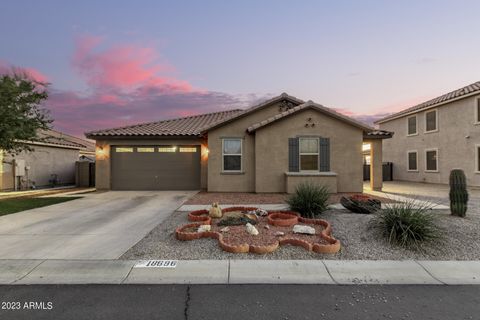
(407, 225)
(458, 193)
(309, 199)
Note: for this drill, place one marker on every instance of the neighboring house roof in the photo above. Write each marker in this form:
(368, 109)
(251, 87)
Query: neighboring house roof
(186, 126)
(283, 97)
(59, 139)
(378, 134)
(63, 139)
(310, 105)
(461, 93)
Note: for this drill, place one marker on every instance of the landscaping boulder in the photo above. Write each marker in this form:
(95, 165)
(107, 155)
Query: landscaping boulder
(303, 229)
(251, 229)
(204, 228)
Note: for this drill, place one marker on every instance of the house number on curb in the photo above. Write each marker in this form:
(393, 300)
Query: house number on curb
(156, 264)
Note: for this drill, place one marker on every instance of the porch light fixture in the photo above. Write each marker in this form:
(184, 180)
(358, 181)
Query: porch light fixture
(100, 153)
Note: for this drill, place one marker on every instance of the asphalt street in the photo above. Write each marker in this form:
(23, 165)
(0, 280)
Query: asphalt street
(239, 302)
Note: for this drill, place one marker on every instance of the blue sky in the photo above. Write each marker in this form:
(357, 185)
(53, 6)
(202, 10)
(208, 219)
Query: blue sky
(186, 57)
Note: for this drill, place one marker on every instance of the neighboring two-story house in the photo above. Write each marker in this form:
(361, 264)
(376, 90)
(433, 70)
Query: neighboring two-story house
(436, 136)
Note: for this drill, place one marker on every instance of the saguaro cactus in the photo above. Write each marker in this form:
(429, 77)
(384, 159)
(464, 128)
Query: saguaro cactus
(458, 193)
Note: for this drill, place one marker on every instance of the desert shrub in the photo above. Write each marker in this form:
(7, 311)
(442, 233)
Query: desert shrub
(458, 193)
(407, 224)
(309, 199)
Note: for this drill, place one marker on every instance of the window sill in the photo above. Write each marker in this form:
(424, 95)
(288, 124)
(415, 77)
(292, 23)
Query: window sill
(431, 131)
(431, 171)
(232, 172)
(310, 174)
(412, 170)
(412, 135)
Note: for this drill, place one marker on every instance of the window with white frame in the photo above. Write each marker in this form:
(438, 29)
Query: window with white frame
(477, 111)
(431, 121)
(232, 155)
(477, 158)
(431, 160)
(309, 154)
(412, 161)
(412, 125)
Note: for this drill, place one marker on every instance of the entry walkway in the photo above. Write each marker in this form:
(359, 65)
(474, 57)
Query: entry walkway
(435, 193)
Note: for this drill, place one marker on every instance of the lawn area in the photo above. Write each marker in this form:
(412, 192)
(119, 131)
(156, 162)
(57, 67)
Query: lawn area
(9, 206)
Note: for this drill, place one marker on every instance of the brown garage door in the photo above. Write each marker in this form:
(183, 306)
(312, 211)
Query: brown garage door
(155, 167)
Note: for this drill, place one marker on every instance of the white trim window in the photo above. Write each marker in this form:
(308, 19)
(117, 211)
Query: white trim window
(232, 155)
(477, 158)
(309, 154)
(431, 121)
(431, 160)
(477, 111)
(412, 126)
(412, 161)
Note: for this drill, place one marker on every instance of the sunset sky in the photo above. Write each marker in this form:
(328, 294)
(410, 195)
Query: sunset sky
(112, 64)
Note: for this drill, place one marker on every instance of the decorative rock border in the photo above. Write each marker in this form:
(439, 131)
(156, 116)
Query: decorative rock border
(284, 219)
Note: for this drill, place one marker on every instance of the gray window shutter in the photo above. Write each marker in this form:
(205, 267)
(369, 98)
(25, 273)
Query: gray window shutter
(324, 154)
(293, 155)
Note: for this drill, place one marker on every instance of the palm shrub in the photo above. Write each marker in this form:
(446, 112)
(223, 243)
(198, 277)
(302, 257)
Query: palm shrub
(458, 193)
(407, 224)
(309, 199)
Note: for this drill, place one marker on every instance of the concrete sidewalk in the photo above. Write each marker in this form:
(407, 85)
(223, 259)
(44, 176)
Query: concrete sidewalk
(345, 272)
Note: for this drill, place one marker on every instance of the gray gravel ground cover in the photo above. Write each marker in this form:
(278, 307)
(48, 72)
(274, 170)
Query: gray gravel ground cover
(461, 242)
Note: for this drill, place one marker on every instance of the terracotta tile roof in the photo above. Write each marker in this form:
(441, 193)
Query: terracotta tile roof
(456, 94)
(294, 101)
(310, 104)
(60, 138)
(186, 126)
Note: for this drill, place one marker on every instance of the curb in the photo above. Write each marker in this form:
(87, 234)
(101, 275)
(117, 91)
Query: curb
(344, 272)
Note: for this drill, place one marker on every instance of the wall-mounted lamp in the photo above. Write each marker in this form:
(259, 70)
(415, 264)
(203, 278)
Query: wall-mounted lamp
(100, 153)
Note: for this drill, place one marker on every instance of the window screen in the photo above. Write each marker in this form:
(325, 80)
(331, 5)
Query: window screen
(431, 121)
(431, 160)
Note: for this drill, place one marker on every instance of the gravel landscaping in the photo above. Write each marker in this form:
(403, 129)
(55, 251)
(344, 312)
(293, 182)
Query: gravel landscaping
(461, 242)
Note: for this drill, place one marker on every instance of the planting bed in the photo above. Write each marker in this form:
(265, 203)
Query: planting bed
(238, 240)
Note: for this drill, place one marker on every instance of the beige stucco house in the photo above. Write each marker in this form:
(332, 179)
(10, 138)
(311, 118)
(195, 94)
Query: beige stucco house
(51, 162)
(436, 136)
(270, 147)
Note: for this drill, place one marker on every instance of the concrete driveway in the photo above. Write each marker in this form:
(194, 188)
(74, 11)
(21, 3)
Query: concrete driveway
(99, 226)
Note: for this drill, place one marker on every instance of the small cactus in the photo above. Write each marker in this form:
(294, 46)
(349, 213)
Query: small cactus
(458, 193)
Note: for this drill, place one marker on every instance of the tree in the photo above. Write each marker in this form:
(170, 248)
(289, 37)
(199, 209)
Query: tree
(21, 113)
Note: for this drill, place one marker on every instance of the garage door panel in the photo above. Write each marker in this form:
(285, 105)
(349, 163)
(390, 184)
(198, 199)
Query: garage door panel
(156, 170)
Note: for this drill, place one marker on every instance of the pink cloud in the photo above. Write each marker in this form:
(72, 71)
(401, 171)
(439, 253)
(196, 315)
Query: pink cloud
(34, 74)
(124, 67)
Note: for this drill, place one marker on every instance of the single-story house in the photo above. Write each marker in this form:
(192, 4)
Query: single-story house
(270, 147)
(51, 162)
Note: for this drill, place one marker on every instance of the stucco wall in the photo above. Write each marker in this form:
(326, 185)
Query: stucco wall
(271, 150)
(329, 181)
(43, 162)
(103, 163)
(235, 182)
(456, 122)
